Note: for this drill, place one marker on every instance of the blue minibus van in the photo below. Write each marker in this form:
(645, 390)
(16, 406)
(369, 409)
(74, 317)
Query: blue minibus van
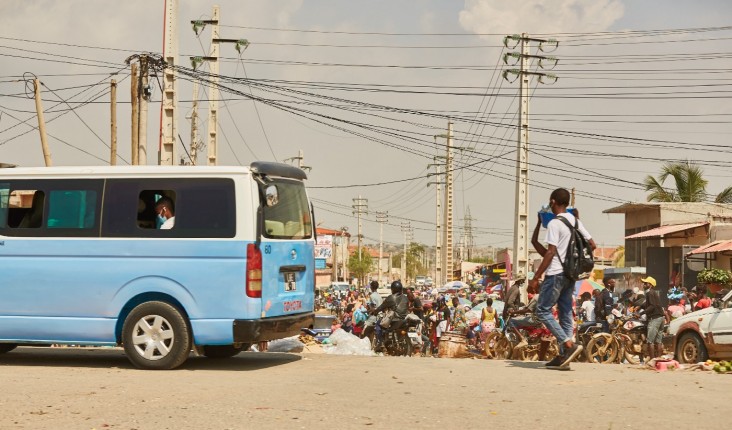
(160, 260)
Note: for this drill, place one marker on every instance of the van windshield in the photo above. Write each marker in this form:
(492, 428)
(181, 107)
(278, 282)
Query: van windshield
(287, 216)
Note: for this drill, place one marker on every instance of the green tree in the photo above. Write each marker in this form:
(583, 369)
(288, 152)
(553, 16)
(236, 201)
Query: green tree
(415, 251)
(619, 257)
(689, 185)
(360, 268)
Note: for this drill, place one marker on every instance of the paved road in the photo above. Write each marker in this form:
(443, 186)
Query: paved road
(98, 389)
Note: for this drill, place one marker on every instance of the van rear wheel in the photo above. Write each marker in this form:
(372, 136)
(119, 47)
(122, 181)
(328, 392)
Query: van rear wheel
(156, 335)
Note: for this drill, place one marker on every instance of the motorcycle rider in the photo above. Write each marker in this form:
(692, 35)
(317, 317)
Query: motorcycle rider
(397, 302)
(374, 301)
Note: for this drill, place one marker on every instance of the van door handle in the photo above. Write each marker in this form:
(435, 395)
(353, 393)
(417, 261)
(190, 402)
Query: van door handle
(293, 268)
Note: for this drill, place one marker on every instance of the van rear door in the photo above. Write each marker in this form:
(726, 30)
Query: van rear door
(287, 247)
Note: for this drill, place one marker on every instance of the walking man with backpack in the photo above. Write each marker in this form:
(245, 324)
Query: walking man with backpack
(561, 269)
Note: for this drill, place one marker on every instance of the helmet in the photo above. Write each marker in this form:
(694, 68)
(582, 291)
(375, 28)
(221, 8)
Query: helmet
(396, 287)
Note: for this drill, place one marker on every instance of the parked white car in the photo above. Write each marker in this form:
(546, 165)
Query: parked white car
(704, 334)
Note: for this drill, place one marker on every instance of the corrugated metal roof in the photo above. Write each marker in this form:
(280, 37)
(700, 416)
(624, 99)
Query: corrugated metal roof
(717, 246)
(666, 229)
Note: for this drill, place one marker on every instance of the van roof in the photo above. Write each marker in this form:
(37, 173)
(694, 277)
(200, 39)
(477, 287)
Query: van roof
(261, 167)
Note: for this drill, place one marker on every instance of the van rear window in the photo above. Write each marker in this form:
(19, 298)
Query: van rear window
(287, 216)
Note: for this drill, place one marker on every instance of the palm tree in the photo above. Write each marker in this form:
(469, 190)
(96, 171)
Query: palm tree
(690, 185)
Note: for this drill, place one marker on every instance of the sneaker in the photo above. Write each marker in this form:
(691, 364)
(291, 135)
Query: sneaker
(555, 363)
(570, 354)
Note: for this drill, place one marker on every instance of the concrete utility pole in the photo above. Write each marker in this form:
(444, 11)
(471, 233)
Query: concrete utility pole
(113, 120)
(41, 123)
(169, 105)
(439, 273)
(300, 160)
(213, 104)
(143, 93)
(135, 120)
(520, 263)
(468, 226)
(360, 207)
(344, 253)
(447, 234)
(407, 230)
(381, 218)
(194, 125)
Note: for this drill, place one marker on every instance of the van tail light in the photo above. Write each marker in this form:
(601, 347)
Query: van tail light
(254, 271)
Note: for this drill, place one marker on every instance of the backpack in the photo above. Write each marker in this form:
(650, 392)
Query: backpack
(578, 259)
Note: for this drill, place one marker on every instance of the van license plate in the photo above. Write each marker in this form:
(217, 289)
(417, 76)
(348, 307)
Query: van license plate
(290, 284)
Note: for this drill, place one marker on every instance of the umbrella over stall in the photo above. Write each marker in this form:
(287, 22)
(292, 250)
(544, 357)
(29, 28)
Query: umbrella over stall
(586, 285)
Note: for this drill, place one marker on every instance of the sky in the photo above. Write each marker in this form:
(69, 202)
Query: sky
(363, 88)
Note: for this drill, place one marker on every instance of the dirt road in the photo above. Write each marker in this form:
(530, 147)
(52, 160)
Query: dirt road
(98, 389)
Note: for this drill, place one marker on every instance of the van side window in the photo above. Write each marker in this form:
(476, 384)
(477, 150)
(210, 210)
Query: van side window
(201, 208)
(25, 208)
(71, 208)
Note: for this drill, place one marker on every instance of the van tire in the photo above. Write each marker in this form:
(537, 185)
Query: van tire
(221, 351)
(7, 347)
(690, 349)
(156, 336)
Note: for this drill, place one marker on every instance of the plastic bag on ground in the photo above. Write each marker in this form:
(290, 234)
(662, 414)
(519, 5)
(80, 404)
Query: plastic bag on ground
(343, 343)
(288, 344)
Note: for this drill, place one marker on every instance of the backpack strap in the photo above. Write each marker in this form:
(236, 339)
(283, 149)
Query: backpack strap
(571, 231)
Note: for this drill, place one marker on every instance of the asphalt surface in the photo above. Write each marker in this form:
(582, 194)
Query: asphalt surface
(84, 388)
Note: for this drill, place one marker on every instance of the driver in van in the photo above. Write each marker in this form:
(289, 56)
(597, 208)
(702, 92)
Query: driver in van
(165, 210)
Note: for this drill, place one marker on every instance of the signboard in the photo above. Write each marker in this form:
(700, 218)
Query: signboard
(324, 247)
(320, 264)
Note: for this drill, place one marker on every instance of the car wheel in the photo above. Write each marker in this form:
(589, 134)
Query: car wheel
(7, 347)
(691, 349)
(156, 335)
(221, 351)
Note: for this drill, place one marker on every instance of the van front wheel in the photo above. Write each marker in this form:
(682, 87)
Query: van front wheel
(156, 335)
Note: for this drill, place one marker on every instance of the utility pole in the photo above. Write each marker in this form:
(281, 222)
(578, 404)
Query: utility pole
(344, 253)
(439, 275)
(113, 120)
(143, 93)
(407, 230)
(41, 123)
(360, 207)
(520, 261)
(194, 124)
(135, 120)
(300, 158)
(381, 218)
(447, 234)
(468, 226)
(169, 104)
(213, 104)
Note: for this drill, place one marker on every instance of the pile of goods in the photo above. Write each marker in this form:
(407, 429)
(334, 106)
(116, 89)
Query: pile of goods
(719, 366)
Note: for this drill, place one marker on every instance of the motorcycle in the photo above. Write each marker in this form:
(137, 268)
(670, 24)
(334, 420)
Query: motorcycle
(585, 332)
(625, 342)
(401, 337)
(415, 333)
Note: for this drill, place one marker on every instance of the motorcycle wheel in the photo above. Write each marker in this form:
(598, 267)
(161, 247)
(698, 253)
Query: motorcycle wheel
(503, 348)
(602, 348)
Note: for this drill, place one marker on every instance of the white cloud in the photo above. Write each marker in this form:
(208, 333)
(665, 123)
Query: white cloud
(540, 16)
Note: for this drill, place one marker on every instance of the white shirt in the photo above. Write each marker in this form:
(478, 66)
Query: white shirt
(589, 308)
(558, 235)
(168, 224)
